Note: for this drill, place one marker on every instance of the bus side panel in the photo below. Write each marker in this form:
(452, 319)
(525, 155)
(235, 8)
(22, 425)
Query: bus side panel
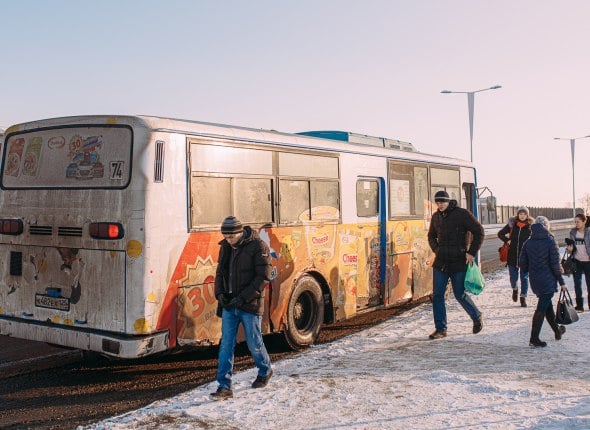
(189, 305)
(409, 256)
(57, 285)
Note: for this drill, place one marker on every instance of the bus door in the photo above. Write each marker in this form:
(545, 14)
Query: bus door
(370, 279)
(407, 242)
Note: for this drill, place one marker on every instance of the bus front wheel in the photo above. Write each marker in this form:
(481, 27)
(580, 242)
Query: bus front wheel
(305, 313)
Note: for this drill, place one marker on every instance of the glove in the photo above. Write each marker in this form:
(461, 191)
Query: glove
(236, 302)
(223, 300)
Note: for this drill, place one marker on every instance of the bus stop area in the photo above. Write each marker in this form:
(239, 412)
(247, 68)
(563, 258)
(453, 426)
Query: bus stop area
(19, 356)
(391, 376)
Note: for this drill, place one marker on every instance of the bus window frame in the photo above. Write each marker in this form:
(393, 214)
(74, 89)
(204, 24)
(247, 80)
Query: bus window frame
(61, 127)
(276, 178)
(445, 187)
(372, 180)
(412, 163)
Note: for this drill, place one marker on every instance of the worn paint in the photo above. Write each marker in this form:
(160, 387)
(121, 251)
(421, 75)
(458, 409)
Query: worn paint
(346, 256)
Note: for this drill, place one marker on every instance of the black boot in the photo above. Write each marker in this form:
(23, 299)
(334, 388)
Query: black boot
(536, 330)
(515, 294)
(523, 301)
(558, 330)
(580, 304)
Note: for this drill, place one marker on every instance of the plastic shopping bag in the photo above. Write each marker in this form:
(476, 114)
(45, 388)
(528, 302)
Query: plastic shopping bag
(474, 281)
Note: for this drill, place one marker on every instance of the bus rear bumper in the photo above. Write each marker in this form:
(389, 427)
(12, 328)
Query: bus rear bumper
(102, 342)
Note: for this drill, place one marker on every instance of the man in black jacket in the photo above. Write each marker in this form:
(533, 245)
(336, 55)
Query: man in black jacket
(447, 237)
(243, 272)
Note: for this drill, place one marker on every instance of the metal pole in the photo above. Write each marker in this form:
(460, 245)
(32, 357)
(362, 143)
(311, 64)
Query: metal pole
(470, 106)
(573, 145)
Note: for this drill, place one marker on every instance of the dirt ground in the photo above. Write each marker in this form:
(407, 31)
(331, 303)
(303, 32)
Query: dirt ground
(93, 388)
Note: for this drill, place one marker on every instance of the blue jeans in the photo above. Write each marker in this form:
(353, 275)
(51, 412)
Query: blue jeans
(440, 280)
(582, 268)
(524, 280)
(230, 321)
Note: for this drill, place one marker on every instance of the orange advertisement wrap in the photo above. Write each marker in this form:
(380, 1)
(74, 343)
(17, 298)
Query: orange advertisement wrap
(347, 257)
(400, 274)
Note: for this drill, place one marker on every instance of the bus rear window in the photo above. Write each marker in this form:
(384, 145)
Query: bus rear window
(68, 157)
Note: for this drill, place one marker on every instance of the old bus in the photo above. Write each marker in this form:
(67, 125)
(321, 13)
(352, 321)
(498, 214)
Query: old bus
(109, 227)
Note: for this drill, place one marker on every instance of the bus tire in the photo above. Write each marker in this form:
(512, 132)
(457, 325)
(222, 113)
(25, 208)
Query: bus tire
(305, 313)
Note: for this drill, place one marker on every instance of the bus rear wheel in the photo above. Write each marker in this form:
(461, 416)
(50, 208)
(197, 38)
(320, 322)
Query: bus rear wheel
(305, 313)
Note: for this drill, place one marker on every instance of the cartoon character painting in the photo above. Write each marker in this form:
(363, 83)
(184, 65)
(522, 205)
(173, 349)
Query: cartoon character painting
(85, 158)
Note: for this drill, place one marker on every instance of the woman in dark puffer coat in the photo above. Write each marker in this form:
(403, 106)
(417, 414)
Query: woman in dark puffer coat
(540, 257)
(516, 233)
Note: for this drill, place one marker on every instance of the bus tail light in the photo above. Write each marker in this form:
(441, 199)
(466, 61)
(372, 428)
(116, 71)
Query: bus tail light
(106, 230)
(11, 226)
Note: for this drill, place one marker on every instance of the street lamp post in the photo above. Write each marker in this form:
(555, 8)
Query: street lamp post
(470, 106)
(573, 147)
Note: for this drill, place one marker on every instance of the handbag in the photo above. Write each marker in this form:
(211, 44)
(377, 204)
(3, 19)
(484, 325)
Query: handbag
(565, 312)
(568, 263)
(474, 282)
(503, 251)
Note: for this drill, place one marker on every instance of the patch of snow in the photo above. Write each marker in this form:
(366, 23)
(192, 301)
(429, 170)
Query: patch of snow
(392, 377)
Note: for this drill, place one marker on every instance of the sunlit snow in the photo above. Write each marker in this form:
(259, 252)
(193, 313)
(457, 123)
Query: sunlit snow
(391, 377)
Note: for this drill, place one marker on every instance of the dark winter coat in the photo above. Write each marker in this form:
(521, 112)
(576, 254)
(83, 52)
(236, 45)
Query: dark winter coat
(447, 237)
(251, 272)
(540, 257)
(519, 233)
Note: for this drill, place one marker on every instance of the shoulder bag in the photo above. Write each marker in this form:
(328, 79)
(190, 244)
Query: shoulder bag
(568, 263)
(503, 250)
(565, 312)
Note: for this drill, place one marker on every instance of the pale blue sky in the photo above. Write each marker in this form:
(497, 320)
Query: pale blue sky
(373, 67)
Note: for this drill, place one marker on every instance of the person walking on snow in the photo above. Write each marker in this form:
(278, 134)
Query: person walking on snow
(243, 272)
(580, 240)
(447, 237)
(540, 257)
(515, 233)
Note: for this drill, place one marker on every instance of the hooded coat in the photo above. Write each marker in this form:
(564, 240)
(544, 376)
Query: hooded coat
(519, 231)
(244, 272)
(540, 257)
(447, 237)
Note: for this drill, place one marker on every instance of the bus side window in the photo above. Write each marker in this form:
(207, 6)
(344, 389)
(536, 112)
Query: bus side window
(408, 189)
(367, 198)
(210, 199)
(325, 201)
(252, 200)
(293, 201)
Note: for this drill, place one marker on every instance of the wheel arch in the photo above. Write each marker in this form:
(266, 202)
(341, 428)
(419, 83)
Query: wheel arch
(329, 316)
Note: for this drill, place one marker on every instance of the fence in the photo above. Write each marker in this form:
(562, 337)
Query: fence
(500, 214)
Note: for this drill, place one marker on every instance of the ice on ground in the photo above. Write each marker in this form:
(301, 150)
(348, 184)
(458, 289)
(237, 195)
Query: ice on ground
(391, 377)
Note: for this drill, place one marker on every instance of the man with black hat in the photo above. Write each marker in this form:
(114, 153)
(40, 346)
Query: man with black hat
(243, 272)
(448, 239)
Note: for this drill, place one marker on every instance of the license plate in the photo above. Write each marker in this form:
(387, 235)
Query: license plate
(59, 303)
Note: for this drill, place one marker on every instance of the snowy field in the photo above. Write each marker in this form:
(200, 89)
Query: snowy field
(392, 377)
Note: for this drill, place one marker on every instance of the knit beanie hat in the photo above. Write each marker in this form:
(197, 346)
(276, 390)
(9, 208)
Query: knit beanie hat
(523, 209)
(231, 225)
(543, 220)
(441, 196)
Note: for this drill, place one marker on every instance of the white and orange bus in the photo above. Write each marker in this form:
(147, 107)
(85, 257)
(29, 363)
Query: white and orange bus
(109, 227)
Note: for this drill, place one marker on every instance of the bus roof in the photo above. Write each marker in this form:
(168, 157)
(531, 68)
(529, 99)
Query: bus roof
(340, 141)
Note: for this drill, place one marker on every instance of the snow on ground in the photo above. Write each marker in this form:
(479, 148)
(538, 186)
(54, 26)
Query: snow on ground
(391, 377)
